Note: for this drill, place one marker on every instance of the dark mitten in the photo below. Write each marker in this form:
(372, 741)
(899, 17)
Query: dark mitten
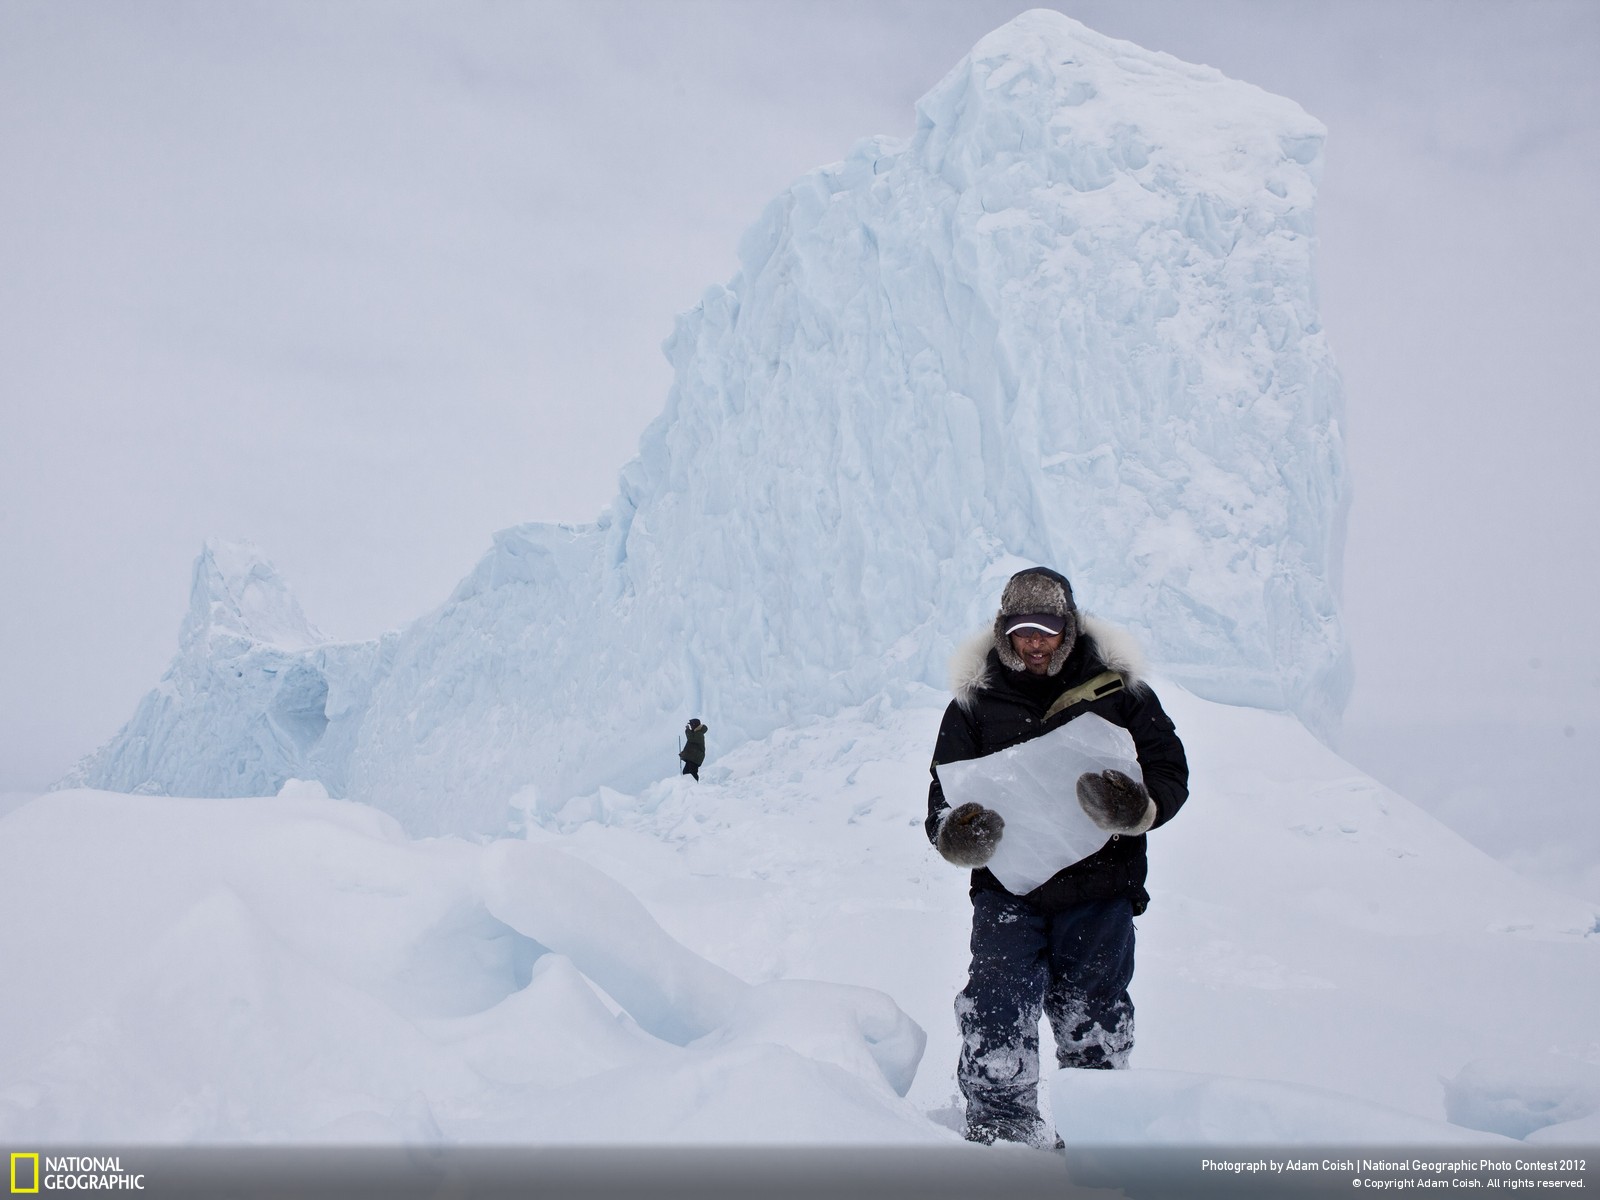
(969, 835)
(1116, 803)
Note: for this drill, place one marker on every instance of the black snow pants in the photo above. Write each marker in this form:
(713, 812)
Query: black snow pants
(1072, 967)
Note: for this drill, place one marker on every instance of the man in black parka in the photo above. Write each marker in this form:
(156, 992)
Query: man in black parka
(1065, 949)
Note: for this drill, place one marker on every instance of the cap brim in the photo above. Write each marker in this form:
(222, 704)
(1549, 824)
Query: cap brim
(1044, 622)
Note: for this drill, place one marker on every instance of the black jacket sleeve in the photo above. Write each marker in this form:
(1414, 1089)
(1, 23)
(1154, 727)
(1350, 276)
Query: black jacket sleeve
(1161, 758)
(958, 741)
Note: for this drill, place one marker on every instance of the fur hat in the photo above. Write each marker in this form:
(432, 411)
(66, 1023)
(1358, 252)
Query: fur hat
(1036, 590)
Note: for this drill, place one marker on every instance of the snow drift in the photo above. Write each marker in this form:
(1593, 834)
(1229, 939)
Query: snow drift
(295, 969)
(756, 959)
(1070, 320)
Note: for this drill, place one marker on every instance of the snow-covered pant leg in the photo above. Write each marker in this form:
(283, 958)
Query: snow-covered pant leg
(998, 1013)
(1087, 1001)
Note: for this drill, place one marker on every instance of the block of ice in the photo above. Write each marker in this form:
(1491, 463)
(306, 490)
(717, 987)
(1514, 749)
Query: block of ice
(1033, 787)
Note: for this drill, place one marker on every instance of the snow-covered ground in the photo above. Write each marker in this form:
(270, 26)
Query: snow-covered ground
(757, 958)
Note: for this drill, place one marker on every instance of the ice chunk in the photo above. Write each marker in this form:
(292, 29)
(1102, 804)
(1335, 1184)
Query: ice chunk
(675, 994)
(585, 915)
(1033, 786)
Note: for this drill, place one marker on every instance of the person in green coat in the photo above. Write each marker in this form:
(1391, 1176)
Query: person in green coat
(694, 747)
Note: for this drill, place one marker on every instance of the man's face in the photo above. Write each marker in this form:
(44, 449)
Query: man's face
(1035, 647)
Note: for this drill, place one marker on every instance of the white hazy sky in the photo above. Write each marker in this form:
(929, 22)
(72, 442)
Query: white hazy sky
(363, 282)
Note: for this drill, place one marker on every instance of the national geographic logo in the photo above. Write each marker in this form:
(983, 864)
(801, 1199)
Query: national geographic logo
(70, 1173)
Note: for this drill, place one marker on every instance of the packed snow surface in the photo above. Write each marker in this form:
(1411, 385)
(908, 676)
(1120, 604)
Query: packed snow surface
(1070, 320)
(770, 956)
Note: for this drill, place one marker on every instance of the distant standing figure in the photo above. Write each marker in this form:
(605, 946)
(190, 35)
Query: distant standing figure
(694, 747)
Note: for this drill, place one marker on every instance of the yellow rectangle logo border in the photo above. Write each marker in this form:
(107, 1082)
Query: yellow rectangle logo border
(15, 1190)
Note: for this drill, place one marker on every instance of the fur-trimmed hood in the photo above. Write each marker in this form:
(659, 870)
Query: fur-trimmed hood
(1112, 646)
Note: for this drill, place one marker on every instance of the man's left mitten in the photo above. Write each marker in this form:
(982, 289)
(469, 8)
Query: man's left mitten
(1115, 802)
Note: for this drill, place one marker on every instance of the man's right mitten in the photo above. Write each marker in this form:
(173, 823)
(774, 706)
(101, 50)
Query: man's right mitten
(969, 834)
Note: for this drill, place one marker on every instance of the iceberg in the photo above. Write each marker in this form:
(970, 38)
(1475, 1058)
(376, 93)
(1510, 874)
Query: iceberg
(255, 696)
(1070, 320)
